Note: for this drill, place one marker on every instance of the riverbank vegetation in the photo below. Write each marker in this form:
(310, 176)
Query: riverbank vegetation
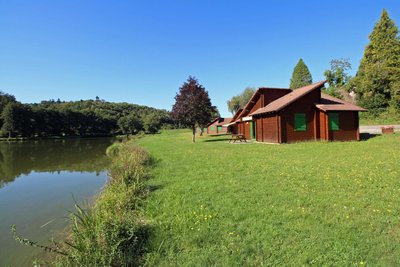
(112, 232)
(78, 118)
(311, 203)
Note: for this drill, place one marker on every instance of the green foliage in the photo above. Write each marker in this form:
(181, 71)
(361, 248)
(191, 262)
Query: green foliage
(301, 75)
(77, 118)
(257, 204)
(378, 77)
(390, 116)
(112, 233)
(337, 77)
(130, 124)
(17, 120)
(239, 101)
(151, 123)
(4, 100)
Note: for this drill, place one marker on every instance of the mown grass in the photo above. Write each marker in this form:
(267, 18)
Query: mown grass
(312, 203)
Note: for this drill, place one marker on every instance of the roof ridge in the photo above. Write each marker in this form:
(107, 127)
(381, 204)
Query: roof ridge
(292, 96)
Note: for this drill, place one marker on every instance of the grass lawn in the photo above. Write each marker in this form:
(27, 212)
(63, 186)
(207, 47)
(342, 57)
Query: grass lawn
(313, 203)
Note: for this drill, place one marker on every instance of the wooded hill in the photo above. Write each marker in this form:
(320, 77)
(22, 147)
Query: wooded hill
(78, 118)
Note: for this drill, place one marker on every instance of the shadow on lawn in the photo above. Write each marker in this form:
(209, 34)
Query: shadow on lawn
(217, 140)
(366, 136)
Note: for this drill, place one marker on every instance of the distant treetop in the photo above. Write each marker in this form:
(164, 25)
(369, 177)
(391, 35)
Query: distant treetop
(301, 75)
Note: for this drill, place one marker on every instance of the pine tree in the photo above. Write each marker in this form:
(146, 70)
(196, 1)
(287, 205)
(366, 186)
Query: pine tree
(378, 78)
(301, 75)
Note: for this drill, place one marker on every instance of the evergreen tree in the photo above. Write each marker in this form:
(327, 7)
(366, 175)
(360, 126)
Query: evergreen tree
(301, 75)
(378, 78)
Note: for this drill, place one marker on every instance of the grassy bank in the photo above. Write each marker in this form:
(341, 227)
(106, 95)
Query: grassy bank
(112, 232)
(282, 205)
(385, 118)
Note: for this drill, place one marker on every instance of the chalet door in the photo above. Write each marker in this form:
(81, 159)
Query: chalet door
(253, 130)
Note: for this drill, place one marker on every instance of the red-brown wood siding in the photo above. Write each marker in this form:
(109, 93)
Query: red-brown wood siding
(259, 129)
(246, 131)
(348, 127)
(256, 106)
(323, 124)
(210, 130)
(267, 130)
(302, 105)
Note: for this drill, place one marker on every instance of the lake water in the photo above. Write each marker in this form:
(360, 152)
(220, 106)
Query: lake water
(38, 183)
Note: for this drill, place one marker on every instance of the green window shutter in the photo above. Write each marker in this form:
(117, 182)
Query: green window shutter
(333, 120)
(300, 122)
(204, 129)
(219, 128)
(212, 128)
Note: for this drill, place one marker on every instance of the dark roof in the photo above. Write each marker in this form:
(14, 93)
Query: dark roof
(330, 103)
(223, 121)
(220, 121)
(254, 97)
(286, 100)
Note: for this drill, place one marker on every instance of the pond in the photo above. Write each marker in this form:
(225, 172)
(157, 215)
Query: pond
(39, 181)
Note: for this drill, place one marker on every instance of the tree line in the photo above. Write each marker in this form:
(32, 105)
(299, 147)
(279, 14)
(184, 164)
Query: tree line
(78, 118)
(376, 84)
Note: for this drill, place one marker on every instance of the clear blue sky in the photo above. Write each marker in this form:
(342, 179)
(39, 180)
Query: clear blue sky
(142, 51)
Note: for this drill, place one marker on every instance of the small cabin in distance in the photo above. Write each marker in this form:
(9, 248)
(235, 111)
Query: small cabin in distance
(217, 126)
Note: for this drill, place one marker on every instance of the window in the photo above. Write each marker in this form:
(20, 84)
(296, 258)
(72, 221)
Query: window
(333, 121)
(300, 123)
(212, 128)
(219, 128)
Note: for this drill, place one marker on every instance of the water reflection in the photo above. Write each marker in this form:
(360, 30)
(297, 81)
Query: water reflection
(83, 155)
(37, 182)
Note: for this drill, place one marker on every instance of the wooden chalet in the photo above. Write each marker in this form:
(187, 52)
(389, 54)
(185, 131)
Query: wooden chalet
(217, 126)
(232, 126)
(277, 115)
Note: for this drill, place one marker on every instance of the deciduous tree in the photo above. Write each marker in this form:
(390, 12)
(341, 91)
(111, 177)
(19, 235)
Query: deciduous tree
(192, 105)
(337, 77)
(239, 101)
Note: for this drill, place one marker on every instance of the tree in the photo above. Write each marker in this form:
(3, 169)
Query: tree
(130, 124)
(151, 123)
(192, 105)
(4, 100)
(239, 101)
(337, 77)
(301, 75)
(17, 120)
(378, 77)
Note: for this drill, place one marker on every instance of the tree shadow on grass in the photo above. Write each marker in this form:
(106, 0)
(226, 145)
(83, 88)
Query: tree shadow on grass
(216, 140)
(366, 136)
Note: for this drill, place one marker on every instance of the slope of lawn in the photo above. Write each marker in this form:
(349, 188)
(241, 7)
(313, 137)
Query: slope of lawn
(312, 203)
